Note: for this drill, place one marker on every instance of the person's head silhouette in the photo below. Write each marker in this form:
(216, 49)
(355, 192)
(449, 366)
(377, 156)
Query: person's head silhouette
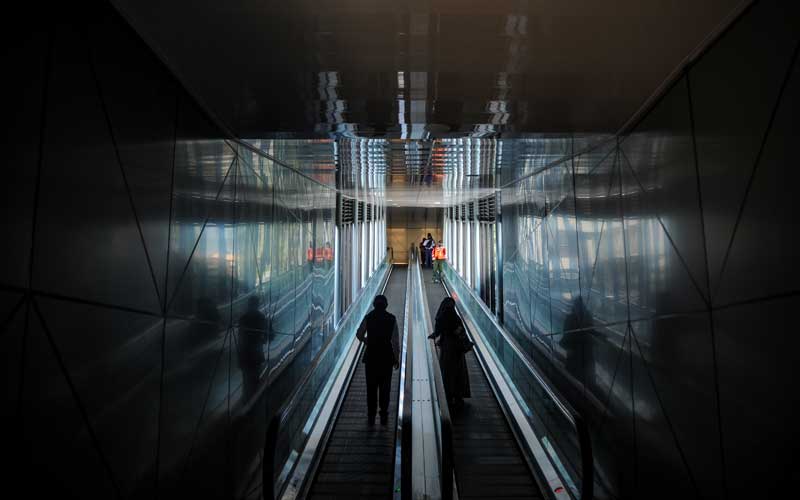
(380, 303)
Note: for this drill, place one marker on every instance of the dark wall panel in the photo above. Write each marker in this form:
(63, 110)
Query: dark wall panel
(666, 262)
(735, 88)
(126, 371)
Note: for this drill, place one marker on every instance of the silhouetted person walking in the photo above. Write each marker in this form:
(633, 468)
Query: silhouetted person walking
(452, 346)
(252, 337)
(378, 330)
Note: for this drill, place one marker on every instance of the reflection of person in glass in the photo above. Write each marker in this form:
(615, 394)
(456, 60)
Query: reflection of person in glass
(252, 336)
(379, 331)
(328, 254)
(454, 365)
(577, 342)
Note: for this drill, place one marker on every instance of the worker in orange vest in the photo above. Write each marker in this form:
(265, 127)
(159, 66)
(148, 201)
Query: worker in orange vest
(439, 258)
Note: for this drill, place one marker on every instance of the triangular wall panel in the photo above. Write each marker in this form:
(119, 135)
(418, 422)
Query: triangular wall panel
(734, 88)
(766, 232)
(55, 442)
(143, 124)
(87, 242)
(659, 154)
(115, 367)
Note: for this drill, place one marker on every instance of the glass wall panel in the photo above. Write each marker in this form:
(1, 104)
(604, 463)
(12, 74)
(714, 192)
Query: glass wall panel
(735, 88)
(173, 305)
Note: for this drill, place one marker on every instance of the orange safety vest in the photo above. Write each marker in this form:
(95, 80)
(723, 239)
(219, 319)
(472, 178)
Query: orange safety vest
(439, 253)
(310, 254)
(328, 253)
(318, 255)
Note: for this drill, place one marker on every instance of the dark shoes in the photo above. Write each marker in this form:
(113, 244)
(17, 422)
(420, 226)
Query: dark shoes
(384, 419)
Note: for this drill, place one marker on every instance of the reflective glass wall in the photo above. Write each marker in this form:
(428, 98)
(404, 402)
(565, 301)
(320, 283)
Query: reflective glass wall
(162, 289)
(654, 277)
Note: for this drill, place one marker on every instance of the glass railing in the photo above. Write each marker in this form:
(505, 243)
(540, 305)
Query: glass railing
(561, 431)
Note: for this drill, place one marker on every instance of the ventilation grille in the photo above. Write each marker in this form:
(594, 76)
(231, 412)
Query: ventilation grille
(487, 209)
(348, 215)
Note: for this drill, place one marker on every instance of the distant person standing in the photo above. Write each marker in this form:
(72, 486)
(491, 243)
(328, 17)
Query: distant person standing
(252, 337)
(378, 330)
(439, 258)
(430, 244)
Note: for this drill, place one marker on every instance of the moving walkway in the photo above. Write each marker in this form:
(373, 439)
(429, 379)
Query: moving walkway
(513, 438)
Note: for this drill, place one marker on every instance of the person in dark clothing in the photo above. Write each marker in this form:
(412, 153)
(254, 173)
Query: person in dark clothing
(578, 343)
(429, 244)
(252, 336)
(378, 330)
(451, 356)
(422, 251)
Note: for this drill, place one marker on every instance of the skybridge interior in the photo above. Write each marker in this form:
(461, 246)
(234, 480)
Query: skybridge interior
(202, 200)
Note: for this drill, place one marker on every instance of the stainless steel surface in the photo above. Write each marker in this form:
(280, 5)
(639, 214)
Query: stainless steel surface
(426, 432)
(419, 67)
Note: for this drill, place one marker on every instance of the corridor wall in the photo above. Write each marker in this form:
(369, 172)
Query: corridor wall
(136, 232)
(654, 277)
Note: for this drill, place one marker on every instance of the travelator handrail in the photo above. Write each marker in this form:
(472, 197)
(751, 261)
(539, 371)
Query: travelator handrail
(446, 461)
(403, 443)
(573, 416)
(278, 418)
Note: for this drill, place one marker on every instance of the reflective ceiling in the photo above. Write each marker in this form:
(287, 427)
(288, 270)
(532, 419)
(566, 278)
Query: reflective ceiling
(423, 102)
(414, 68)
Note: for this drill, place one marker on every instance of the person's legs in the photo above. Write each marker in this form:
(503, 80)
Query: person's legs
(437, 270)
(385, 387)
(372, 395)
